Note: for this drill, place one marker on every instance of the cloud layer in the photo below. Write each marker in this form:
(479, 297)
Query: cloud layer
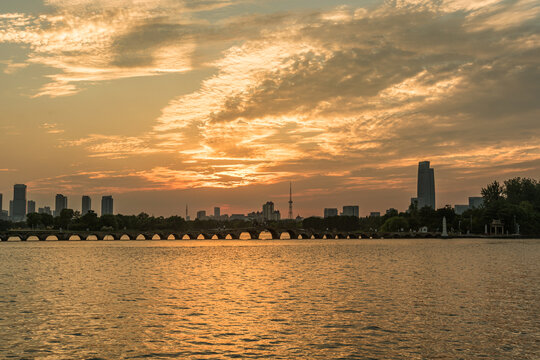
(305, 94)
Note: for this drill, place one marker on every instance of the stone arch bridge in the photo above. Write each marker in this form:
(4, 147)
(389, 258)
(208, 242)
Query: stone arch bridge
(221, 234)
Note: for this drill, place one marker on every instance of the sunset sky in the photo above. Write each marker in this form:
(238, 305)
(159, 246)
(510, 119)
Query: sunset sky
(164, 103)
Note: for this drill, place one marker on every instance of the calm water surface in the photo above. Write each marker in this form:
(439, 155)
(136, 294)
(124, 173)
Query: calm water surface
(311, 299)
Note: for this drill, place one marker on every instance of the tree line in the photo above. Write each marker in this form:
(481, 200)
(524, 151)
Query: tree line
(516, 203)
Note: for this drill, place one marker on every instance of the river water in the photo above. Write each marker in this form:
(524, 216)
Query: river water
(299, 299)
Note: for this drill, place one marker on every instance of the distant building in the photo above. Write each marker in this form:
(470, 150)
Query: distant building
(269, 214)
(238, 217)
(255, 216)
(392, 212)
(201, 215)
(11, 209)
(476, 202)
(45, 210)
(374, 214)
(351, 210)
(4, 215)
(60, 203)
(414, 202)
(217, 213)
(31, 207)
(107, 205)
(460, 209)
(19, 202)
(329, 212)
(86, 205)
(268, 211)
(1, 203)
(426, 185)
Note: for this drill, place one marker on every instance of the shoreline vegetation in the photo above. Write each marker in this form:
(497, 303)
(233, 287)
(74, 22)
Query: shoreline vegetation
(515, 205)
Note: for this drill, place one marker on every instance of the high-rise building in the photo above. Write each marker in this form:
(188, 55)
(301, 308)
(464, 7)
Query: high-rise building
(11, 209)
(19, 202)
(86, 204)
(268, 211)
(60, 203)
(1, 203)
(201, 214)
(351, 210)
(107, 205)
(425, 185)
(329, 212)
(476, 202)
(31, 207)
(217, 213)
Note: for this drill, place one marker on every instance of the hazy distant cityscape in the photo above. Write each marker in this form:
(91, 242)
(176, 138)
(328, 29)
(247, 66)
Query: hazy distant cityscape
(20, 206)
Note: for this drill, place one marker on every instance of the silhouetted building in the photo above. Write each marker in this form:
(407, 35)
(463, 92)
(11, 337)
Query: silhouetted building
(374, 214)
(4, 215)
(201, 215)
(351, 210)
(107, 205)
(1, 203)
(269, 214)
(31, 207)
(19, 202)
(45, 210)
(11, 209)
(217, 213)
(60, 203)
(425, 185)
(460, 209)
(476, 202)
(238, 217)
(329, 212)
(86, 205)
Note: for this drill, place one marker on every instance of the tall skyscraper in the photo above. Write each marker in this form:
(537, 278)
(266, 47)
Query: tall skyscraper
(201, 214)
(31, 207)
(86, 205)
(60, 203)
(107, 205)
(426, 185)
(1, 203)
(217, 213)
(290, 202)
(19, 202)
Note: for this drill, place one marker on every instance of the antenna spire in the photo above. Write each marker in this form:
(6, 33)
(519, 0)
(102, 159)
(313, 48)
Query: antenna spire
(290, 202)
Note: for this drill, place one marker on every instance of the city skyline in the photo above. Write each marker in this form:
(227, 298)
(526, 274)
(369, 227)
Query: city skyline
(425, 197)
(169, 103)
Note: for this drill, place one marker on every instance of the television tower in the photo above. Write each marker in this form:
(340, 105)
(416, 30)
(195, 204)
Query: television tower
(290, 201)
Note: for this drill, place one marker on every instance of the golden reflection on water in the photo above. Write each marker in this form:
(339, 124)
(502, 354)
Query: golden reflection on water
(283, 299)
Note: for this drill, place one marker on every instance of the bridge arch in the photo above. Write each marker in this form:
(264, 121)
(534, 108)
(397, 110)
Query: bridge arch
(287, 235)
(109, 237)
(157, 236)
(74, 237)
(92, 237)
(124, 237)
(140, 236)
